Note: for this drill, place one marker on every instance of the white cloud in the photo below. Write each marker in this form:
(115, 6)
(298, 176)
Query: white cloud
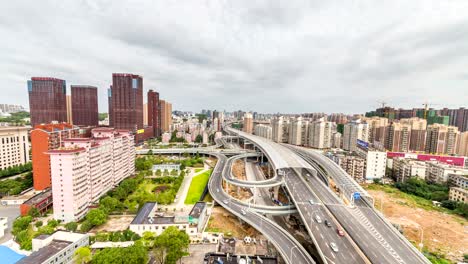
(268, 56)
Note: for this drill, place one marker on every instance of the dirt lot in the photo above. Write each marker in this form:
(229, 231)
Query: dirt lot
(444, 233)
(238, 170)
(223, 221)
(115, 223)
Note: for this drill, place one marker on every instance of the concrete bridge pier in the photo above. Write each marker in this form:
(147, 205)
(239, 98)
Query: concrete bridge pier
(276, 192)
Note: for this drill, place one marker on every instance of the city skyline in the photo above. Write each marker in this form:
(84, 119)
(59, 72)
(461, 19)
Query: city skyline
(225, 56)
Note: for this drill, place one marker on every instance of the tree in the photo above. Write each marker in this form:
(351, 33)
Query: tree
(109, 204)
(133, 254)
(171, 245)
(96, 217)
(199, 139)
(21, 224)
(24, 239)
(38, 224)
(71, 226)
(82, 255)
(33, 212)
(86, 226)
(53, 223)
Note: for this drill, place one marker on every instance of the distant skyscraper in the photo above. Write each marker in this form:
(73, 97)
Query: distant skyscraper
(353, 131)
(126, 101)
(84, 105)
(248, 123)
(462, 148)
(418, 132)
(441, 139)
(154, 112)
(166, 115)
(398, 137)
(47, 100)
(145, 114)
(69, 110)
(320, 134)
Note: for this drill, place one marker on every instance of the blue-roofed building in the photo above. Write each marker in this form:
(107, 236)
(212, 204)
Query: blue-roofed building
(9, 256)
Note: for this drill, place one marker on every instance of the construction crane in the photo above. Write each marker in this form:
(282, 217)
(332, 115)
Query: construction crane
(383, 103)
(426, 108)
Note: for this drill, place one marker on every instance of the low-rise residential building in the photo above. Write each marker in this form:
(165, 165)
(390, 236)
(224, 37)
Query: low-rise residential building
(458, 194)
(457, 180)
(149, 219)
(354, 166)
(376, 161)
(14, 148)
(58, 247)
(197, 215)
(439, 173)
(84, 169)
(403, 169)
(41, 201)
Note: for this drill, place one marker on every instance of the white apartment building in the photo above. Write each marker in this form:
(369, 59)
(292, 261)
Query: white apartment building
(295, 132)
(58, 247)
(439, 172)
(336, 140)
(353, 131)
(86, 168)
(265, 131)
(14, 148)
(280, 130)
(404, 169)
(376, 163)
(320, 134)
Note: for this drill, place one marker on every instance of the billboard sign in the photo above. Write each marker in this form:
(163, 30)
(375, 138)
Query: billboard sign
(362, 144)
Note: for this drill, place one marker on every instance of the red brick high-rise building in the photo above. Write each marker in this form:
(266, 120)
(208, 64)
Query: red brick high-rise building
(84, 103)
(43, 138)
(126, 101)
(154, 112)
(47, 100)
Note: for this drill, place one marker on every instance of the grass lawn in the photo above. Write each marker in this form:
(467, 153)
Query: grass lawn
(409, 199)
(196, 187)
(197, 170)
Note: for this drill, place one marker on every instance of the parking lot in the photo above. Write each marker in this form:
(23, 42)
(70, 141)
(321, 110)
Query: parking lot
(197, 253)
(11, 211)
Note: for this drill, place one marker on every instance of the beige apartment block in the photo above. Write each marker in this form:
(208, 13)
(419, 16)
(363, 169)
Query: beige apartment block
(14, 147)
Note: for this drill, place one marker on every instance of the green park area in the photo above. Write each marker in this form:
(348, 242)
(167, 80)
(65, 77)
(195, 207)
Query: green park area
(197, 186)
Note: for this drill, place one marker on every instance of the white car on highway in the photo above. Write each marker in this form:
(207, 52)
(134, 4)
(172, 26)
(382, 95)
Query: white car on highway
(318, 219)
(334, 247)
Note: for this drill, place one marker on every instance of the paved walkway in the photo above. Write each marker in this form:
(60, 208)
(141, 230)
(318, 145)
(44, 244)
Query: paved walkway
(183, 190)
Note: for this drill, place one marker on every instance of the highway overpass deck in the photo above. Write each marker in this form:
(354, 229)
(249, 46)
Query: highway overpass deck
(278, 155)
(289, 248)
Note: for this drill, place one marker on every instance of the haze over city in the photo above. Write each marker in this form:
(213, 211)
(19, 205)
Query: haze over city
(298, 56)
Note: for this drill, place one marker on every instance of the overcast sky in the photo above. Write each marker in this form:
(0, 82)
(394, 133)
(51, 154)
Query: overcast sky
(266, 56)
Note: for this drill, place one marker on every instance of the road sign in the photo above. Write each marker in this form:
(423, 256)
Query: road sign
(356, 196)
